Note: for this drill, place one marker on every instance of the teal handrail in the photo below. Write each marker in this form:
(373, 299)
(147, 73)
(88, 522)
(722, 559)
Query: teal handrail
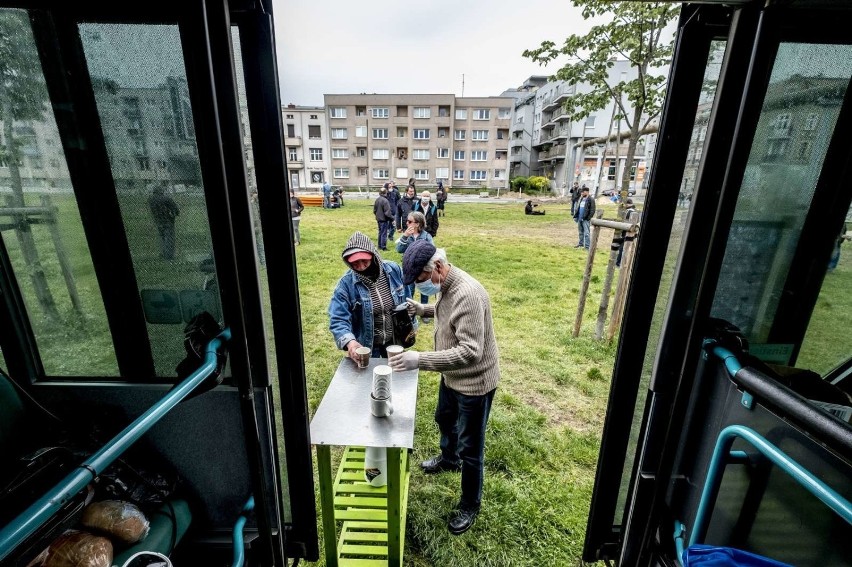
(22, 527)
(800, 474)
(239, 544)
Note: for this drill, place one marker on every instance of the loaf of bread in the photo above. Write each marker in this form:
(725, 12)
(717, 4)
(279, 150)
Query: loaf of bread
(79, 549)
(116, 518)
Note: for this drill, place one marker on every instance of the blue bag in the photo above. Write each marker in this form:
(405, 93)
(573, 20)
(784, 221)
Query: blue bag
(714, 556)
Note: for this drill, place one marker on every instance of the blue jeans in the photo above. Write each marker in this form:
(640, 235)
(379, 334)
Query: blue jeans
(583, 227)
(383, 234)
(461, 420)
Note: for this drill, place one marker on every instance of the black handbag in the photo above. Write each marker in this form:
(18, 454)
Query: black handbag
(403, 328)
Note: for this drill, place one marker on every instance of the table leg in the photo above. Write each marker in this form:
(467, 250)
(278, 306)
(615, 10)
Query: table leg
(396, 484)
(326, 482)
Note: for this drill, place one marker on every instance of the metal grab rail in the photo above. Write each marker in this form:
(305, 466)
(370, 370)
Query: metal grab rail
(800, 474)
(22, 527)
(239, 543)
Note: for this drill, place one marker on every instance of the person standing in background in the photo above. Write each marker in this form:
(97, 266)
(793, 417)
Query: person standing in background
(326, 195)
(296, 208)
(165, 211)
(583, 215)
(429, 210)
(393, 199)
(441, 199)
(404, 207)
(384, 218)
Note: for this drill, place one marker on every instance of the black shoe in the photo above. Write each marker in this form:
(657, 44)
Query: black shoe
(438, 464)
(462, 520)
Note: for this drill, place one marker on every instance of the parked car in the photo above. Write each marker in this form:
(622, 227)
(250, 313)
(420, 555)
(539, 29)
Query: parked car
(611, 192)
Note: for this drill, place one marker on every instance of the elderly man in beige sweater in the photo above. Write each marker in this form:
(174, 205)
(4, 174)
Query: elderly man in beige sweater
(466, 356)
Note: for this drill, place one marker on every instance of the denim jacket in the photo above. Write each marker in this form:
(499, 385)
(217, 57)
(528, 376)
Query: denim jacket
(351, 309)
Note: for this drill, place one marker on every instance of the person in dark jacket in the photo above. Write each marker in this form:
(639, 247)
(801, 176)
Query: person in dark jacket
(165, 211)
(583, 215)
(403, 207)
(384, 218)
(393, 199)
(429, 210)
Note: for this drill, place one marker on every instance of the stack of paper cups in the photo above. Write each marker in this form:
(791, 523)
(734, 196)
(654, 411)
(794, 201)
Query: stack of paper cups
(382, 382)
(375, 466)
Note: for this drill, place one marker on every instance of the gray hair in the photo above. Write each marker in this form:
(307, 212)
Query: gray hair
(440, 255)
(419, 218)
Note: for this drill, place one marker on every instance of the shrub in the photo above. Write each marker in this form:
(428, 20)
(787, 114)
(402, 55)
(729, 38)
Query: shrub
(538, 185)
(519, 184)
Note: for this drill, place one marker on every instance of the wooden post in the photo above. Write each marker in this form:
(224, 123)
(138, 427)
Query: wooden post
(587, 275)
(623, 277)
(607, 286)
(61, 254)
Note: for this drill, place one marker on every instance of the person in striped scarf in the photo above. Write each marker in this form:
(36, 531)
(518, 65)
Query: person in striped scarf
(361, 307)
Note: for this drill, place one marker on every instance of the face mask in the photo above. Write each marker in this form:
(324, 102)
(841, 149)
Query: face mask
(428, 287)
(424, 202)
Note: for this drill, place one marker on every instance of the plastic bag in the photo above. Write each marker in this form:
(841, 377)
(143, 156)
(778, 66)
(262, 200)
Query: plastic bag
(79, 549)
(403, 328)
(713, 556)
(121, 520)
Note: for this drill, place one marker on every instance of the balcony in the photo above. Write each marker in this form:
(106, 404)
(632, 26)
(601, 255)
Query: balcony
(558, 97)
(293, 141)
(556, 152)
(295, 164)
(518, 127)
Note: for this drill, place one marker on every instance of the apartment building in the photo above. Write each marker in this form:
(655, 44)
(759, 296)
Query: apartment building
(306, 144)
(377, 138)
(521, 151)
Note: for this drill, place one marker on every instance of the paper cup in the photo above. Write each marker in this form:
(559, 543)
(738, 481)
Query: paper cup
(394, 350)
(382, 382)
(363, 356)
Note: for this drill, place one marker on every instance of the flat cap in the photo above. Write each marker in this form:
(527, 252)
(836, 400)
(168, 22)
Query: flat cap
(416, 256)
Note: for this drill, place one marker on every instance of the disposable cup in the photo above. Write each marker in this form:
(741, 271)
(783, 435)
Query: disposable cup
(363, 356)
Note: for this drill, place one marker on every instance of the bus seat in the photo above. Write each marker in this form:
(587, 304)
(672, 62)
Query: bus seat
(168, 526)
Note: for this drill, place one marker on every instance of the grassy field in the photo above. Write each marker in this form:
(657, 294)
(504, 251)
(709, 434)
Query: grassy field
(543, 435)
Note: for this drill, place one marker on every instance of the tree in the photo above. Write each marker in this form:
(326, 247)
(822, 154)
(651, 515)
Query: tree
(633, 31)
(23, 97)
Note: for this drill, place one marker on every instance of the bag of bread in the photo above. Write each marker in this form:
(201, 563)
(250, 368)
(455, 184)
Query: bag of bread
(116, 518)
(79, 549)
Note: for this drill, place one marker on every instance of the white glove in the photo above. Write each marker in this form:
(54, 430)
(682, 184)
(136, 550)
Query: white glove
(415, 308)
(406, 360)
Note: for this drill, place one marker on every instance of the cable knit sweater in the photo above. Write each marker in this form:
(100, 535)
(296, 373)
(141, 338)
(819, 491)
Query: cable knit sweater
(465, 348)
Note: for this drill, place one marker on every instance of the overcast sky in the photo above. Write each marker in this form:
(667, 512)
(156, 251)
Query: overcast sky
(382, 46)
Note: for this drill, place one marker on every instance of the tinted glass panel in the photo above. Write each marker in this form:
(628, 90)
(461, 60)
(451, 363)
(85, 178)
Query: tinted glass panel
(144, 105)
(40, 221)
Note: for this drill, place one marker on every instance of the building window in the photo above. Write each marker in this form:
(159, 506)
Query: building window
(421, 174)
(402, 173)
(461, 114)
(482, 114)
(458, 174)
(402, 153)
(314, 116)
(478, 175)
(361, 152)
(421, 133)
(478, 155)
(458, 155)
(442, 173)
(316, 154)
(504, 113)
(420, 154)
(443, 152)
(610, 173)
(314, 132)
(519, 119)
(380, 133)
(143, 162)
(776, 148)
(338, 134)
(459, 134)
(811, 121)
(291, 131)
(292, 155)
(339, 153)
(402, 111)
(317, 177)
(804, 150)
(380, 112)
(337, 112)
(361, 111)
(782, 122)
(422, 112)
(499, 174)
(380, 174)
(590, 121)
(382, 153)
(362, 171)
(290, 117)
(360, 131)
(402, 132)
(341, 173)
(479, 135)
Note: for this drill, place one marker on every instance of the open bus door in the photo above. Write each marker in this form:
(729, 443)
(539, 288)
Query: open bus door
(728, 419)
(126, 128)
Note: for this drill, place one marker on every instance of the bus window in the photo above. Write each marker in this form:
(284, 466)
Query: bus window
(142, 96)
(41, 226)
(798, 116)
